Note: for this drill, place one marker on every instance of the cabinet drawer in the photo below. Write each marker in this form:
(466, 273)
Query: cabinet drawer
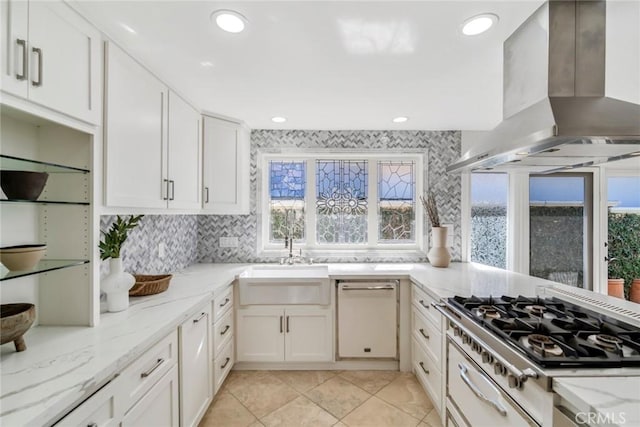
(423, 302)
(222, 332)
(98, 410)
(222, 303)
(428, 335)
(427, 373)
(140, 376)
(222, 365)
(498, 410)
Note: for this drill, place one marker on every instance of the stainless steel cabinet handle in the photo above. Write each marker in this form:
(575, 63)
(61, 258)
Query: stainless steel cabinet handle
(226, 301)
(202, 316)
(226, 362)
(153, 368)
(369, 288)
(426, 371)
(172, 183)
(280, 324)
(25, 60)
(423, 334)
(424, 305)
(38, 52)
(226, 328)
(206, 193)
(463, 374)
(287, 324)
(166, 189)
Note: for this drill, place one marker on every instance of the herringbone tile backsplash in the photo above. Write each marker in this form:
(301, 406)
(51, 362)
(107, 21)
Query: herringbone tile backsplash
(195, 238)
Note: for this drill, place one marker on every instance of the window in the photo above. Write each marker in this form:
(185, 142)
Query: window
(354, 201)
(489, 192)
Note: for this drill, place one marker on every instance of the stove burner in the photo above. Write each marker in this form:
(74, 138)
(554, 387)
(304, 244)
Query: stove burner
(536, 310)
(488, 311)
(543, 345)
(606, 342)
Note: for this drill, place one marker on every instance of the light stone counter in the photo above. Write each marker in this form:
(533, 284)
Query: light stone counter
(63, 365)
(599, 401)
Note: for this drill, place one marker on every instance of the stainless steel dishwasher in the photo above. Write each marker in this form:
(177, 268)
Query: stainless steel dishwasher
(367, 319)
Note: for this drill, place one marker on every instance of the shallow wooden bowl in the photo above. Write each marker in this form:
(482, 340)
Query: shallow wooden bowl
(16, 319)
(21, 257)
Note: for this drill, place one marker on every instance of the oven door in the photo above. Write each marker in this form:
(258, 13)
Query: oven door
(476, 397)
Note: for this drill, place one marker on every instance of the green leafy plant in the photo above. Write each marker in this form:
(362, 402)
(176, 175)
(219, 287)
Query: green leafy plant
(117, 234)
(431, 207)
(624, 247)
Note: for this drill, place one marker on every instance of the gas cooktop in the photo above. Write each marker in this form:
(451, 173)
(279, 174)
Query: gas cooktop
(554, 333)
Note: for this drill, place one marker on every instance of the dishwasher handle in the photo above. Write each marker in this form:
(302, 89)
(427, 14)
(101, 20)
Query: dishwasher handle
(369, 288)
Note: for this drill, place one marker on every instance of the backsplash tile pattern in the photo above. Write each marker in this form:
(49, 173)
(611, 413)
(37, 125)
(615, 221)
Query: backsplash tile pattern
(443, 149)
(140, 252)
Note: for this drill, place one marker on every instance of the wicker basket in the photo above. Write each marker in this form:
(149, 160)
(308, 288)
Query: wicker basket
(149, 284)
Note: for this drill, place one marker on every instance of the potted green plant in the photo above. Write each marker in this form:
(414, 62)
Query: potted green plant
(438, 255)
(624, 252)
(117, 284)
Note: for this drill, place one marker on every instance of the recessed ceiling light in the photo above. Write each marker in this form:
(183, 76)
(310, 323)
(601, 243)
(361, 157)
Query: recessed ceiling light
(278, 119)
(207, 64)
(478, 24)
(128, 28)
(229, 20)
(400, 119)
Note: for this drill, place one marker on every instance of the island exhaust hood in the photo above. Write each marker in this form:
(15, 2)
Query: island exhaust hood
(557, 112)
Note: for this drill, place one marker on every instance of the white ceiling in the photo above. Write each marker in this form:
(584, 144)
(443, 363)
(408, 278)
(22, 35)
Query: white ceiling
(324, 64)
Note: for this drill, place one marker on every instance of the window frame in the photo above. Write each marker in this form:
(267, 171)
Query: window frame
(310, 246)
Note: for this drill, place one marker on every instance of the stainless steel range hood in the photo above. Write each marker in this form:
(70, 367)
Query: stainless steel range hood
(567, 102)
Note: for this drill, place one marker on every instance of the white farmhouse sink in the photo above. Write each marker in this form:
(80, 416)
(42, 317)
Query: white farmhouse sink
(285, 284)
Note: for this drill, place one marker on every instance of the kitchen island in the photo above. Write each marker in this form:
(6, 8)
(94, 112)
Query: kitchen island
(64, 365)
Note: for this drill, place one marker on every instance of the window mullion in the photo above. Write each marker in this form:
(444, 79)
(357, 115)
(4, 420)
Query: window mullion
(372, 198)
(310, 204)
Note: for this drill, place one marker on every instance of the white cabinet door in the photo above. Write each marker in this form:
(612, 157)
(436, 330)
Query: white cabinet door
(308, 335)
(225, 167)
(184, 154)
(135, 134)
(260, 336)
(196, 376)
(64, 53)
(159, 407)
(14, 46)
(103, 409)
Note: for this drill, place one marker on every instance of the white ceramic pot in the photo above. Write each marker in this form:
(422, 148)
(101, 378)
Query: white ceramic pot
(116, 285)
(439, 255)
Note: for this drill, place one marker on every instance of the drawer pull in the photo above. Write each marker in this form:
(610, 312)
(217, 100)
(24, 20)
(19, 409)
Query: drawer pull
(426, 371)
(92, 425)
(226, 362)
(202, 316)
(226, 301)
(497, 406)
(426, 337)
(424, 305)
(153, 368)
(226, 328)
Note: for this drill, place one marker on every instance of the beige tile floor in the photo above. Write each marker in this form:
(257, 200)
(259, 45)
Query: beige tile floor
(321, 398)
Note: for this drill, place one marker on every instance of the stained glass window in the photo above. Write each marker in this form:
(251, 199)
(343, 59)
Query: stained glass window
(287, 186)
(341, 201)
(396, 201)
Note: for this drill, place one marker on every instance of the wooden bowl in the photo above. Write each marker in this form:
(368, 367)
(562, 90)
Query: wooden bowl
(22, 185)
(149, 284)
(16, 319)
(22, 257)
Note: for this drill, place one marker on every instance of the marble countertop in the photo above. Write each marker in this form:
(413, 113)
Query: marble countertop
(602, 401)
(64, 365)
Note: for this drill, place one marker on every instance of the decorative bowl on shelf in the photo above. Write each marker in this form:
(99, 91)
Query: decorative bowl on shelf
(147, 284)
(22, 185)
(21, 257)
(16, 319)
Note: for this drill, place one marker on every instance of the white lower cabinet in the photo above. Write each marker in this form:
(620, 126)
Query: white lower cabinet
(222, 337)
(276, 334)
(196, 388)
(159, 407)
(100, 410)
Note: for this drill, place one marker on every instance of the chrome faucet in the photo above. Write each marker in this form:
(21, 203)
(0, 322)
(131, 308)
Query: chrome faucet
(288, 244)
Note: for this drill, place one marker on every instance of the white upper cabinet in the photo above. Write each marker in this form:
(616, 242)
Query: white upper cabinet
(135, 134)
(152, 140)
(185, 155)
(50, 55)
(226, 167)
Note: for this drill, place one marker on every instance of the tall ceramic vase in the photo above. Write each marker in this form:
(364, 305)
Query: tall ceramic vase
(116, 285)
(439, 255)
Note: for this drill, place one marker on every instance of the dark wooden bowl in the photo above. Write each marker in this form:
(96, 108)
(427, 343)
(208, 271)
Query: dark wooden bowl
(16, 319)
(23, 185)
